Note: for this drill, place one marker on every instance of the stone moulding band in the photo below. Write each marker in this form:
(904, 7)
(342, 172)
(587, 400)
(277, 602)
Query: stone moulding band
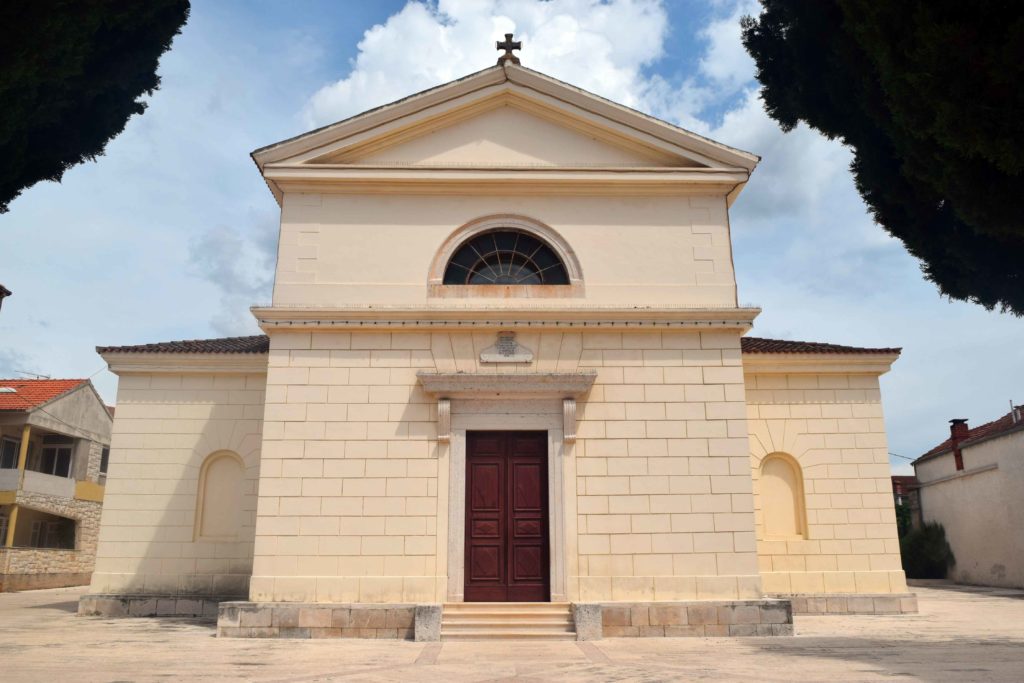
(423, 318)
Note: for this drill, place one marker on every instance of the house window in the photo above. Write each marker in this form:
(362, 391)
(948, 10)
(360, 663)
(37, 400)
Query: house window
(505, 257)
(9, 453)
(56, 456)
(52, 531)
(104, 460)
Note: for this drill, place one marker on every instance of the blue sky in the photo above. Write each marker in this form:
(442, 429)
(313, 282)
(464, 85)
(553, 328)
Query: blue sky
(171, 234)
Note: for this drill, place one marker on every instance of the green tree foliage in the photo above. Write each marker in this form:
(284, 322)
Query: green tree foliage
(926, 553)
(904, 519)
(928, 96)
(72, 73)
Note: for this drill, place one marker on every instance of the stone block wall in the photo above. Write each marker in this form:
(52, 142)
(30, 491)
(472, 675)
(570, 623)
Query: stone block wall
(112, 606)
(166, 426)
(832, 425)
(319, 620)
(861, 603)
(349, 505)
(697, 619)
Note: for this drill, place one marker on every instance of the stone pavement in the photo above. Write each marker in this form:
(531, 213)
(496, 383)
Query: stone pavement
(961, 634)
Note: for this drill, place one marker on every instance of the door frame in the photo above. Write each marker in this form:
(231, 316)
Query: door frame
(561, 493)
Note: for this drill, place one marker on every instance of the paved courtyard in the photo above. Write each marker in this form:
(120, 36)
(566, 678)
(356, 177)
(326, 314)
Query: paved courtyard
(961, 634)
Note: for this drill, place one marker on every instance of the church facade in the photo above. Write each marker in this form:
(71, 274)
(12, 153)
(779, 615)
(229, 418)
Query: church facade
(504, 362)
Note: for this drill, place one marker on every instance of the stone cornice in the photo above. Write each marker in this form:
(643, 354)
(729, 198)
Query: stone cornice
(186, 363)
(427, 317)
(498, 180)
(818, 363)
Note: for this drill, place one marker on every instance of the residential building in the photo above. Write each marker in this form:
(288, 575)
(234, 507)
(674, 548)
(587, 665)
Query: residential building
(973, 484)
(54, 451)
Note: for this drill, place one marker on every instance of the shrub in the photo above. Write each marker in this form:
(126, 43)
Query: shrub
(926, 553)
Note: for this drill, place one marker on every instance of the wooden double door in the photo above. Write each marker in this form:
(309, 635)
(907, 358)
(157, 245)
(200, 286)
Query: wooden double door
(507, 549)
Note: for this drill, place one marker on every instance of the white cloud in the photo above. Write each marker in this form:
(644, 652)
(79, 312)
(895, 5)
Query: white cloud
(726, 62)
(240, 263)
(598, 46)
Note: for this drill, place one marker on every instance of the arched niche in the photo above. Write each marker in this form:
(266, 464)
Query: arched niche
(219, 498)
(781, 490)
(477, 227)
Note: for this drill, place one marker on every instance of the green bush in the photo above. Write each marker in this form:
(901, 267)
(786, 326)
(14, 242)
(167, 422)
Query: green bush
(926, 553)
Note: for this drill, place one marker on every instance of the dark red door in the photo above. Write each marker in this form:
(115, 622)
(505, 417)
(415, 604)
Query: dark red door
(507, 517)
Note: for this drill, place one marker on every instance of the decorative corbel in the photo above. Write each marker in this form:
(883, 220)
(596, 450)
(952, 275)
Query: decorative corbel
(569, 420)
(444, 420)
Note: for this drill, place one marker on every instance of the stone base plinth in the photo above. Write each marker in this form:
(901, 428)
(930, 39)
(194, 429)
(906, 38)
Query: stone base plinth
(852, 603)
(150, 605)
(10, 583)
(326, 620)
(698, 618)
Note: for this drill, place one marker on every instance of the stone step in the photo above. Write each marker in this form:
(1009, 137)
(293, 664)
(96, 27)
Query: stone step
(509, 634)
(507, 621)
(496, 614)
(533, 624)
(486, 605)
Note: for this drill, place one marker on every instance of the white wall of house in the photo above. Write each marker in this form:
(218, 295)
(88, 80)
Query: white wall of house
(980, 508)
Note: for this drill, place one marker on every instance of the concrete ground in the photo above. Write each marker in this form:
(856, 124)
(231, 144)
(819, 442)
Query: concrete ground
(961, 634)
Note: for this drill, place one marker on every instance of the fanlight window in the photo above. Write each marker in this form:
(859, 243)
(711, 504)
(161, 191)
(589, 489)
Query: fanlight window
(505, 257)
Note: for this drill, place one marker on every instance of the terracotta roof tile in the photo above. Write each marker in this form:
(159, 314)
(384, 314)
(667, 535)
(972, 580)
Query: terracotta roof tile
(1004, 424)
(29, 393)
(259, 343)
(761, 345)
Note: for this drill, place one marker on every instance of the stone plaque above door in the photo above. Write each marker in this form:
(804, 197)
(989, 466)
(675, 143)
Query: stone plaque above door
(506, 350)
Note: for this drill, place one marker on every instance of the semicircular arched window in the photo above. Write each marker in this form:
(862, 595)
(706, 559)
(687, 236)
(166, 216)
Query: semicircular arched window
(505, 257)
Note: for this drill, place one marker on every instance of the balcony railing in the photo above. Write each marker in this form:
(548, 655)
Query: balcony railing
(37, 482)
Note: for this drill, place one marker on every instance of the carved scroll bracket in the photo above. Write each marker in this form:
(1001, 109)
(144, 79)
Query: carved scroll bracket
(444, 420)
(569, 420)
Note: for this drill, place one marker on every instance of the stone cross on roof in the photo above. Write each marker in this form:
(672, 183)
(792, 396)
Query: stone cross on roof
(508, 45)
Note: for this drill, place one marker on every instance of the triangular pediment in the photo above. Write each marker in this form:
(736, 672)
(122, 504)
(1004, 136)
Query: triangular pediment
(503, 120)
(504, 131)
(509, 115)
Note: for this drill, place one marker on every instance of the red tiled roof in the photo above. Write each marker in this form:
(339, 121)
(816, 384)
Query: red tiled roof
(989, 429)
(901, 483)
(29, 393)
(259, 343)
(761, 345)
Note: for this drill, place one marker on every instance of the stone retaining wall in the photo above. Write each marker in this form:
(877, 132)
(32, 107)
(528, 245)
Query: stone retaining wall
(316, 620)
(857, 603)
(685, 619)
(150, 605)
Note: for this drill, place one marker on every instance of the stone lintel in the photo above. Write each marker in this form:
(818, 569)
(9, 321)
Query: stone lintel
(511, 385)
